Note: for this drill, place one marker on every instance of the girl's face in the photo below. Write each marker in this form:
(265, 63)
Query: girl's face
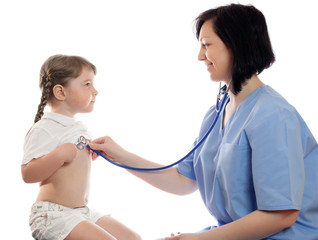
(81, 93)
(216, 56)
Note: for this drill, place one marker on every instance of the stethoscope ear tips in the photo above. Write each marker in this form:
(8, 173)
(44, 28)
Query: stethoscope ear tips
(223, 89)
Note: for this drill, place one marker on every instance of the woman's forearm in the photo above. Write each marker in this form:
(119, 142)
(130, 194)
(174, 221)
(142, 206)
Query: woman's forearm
(256, 225)
(168, 180)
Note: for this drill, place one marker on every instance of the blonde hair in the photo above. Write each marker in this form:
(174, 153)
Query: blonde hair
(58, 69)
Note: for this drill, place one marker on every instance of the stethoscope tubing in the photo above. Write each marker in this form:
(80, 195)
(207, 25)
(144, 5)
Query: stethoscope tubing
(218, 110)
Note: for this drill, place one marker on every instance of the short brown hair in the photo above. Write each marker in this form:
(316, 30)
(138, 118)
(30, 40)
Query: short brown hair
(243, 30)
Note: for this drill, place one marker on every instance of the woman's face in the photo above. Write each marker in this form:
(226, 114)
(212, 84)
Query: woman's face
(216, 56)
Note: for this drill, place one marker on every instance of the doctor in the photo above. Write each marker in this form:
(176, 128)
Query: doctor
(257, 171)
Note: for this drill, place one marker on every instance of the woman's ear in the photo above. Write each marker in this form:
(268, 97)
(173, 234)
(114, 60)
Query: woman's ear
(59, 92)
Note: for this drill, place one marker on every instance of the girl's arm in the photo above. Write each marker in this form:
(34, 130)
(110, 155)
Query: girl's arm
(256, 225)
(169, 180)
(41, 168)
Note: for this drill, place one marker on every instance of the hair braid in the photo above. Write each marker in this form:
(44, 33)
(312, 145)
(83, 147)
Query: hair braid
(46, 90)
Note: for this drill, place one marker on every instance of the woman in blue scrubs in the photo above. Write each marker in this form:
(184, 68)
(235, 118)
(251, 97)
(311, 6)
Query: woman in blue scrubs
(257, 171)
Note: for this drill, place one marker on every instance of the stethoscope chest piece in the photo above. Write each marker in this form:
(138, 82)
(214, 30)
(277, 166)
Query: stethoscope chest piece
(81, 143)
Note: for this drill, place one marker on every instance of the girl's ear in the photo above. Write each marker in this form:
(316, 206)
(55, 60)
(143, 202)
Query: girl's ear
(59, 92)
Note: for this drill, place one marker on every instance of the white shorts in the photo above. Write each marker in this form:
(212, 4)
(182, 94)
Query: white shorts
(51, 221)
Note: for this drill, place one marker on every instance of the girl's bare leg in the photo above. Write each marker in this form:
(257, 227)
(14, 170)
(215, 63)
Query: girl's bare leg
(117, 229)
(87, 230)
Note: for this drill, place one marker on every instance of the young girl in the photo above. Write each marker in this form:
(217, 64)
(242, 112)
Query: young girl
(52, 158)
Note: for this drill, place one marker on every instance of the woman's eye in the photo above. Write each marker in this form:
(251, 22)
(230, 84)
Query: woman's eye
(205, 45)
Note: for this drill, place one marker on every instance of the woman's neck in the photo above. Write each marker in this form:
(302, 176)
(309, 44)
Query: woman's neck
(250, 86)
(247, 88)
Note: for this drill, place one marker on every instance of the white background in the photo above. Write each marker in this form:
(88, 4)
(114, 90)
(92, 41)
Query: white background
(153, 93)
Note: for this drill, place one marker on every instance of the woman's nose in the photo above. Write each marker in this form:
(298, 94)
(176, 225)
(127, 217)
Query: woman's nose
(201, 56)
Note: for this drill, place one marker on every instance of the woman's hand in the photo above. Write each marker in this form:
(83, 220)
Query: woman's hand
(173, 237)
(185, 236)
(94, 154)
(109, 148)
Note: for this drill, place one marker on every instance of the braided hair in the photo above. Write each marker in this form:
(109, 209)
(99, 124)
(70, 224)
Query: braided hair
(45, 84)
(58, 69)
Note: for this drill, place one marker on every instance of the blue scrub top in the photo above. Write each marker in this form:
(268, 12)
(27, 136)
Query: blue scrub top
(264, 158)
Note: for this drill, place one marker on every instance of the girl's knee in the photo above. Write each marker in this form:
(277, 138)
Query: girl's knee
(136, 237)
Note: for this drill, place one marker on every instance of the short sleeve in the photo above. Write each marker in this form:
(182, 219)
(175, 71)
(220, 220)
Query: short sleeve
(186, 167)
(277, 161)
(37, 143)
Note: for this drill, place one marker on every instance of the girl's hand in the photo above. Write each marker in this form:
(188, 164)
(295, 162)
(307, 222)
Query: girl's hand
(67, 152)
(39, 169)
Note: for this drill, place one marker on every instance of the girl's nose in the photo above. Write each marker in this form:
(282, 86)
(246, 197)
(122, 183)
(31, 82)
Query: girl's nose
(95, 92)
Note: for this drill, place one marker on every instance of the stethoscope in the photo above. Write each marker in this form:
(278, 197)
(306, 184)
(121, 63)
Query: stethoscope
(83, 143)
